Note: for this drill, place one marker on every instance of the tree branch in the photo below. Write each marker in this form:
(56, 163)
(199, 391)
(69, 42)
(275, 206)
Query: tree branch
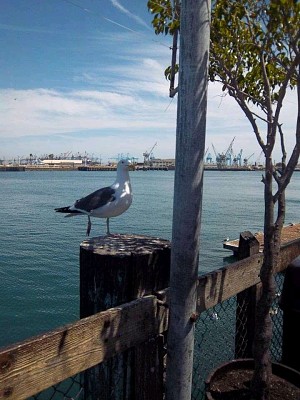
(293, 161)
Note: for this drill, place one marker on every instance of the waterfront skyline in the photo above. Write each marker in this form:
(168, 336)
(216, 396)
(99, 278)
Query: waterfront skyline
(86, 76)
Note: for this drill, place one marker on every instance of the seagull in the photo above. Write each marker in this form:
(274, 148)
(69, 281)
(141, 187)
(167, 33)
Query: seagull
(106, 202)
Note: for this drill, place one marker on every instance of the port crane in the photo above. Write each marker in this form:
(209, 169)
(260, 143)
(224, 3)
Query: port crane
(237, 160)
(225, 158)
(229, 152)
(67, 154)
(148, 155)
(257, 162)
(216, 154)
(209, 158)
(247, 159)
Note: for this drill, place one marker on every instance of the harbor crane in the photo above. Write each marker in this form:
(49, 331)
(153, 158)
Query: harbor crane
(237, 160)
(257, 162)
(66, 155)
(224, 159)
(148, 155)
(228, 153)
(215, 151)
(247, 159)
(208, 159)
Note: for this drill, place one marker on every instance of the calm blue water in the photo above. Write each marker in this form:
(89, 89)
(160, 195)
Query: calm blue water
(39, 249)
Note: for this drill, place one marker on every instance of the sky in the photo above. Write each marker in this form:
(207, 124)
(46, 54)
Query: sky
(87, 77)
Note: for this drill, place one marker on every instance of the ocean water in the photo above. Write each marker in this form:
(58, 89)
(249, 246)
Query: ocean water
(39, 249)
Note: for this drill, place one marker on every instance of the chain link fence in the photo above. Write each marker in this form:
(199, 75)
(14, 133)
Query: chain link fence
(215, 337)
(70, 389)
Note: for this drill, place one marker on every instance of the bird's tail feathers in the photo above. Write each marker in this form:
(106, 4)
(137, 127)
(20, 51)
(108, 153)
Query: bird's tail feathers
(71, 213)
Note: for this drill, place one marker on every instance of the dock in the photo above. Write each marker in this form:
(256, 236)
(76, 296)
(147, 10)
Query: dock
(97, 168)
(11, 168)
(289, 232)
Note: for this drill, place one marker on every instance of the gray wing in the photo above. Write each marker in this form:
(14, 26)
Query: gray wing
(96, 199)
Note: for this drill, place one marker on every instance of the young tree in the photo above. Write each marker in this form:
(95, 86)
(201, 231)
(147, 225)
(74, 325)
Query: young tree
(255, 55)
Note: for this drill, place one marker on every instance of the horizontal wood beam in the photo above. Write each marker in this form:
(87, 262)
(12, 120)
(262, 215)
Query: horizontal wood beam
(45, 360)
(223, 283)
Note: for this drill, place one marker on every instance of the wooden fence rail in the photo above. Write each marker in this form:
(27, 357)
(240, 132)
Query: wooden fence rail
(221, 284)
(33, 365)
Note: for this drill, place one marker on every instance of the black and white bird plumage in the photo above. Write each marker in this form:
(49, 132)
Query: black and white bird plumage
(106, 202)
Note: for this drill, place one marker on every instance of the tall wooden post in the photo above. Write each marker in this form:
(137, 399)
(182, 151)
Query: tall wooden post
(116, 269)
(246, 302)
(290, 304)
(190, 144)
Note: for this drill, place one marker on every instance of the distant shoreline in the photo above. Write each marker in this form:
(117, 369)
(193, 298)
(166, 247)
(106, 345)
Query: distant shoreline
(24, 168)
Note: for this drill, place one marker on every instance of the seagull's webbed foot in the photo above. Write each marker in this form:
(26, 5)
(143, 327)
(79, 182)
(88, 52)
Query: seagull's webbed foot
(89, 226)
(107, 226)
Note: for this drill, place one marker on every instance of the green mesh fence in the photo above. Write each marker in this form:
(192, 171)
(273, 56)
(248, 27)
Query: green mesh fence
(215, 338)
(70, 389)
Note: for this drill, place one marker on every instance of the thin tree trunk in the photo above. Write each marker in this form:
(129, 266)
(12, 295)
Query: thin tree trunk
(263, 326)
(190, 144)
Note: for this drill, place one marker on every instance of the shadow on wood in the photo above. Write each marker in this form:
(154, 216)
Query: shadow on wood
(116, 269)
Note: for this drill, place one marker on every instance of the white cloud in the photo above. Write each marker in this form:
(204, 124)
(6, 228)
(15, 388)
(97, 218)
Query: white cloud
(225, 120)
(41, 112)
(125, 11)
(130, 103)
(130, 95)
(93, 119)
(123, 104)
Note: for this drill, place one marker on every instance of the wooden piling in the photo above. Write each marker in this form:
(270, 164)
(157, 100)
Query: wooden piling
(290, 304)
(116, 269)
(246, 301)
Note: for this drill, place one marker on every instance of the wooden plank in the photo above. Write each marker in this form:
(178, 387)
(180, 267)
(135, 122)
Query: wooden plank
(232, 245)
(221, 284)
(34, 365)
(289, 233)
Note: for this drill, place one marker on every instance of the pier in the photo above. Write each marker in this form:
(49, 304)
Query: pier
(124, 321)
(112, 167)
(289, 233)
(97, 168)
(11, 168)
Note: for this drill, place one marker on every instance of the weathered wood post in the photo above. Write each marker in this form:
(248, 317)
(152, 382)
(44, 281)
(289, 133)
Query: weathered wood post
(116, 269)
(290, 304)
(246, 301)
